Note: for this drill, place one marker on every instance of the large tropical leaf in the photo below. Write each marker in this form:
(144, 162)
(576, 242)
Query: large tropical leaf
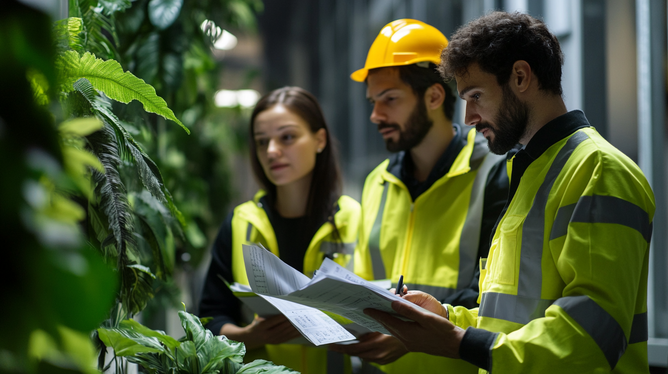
(163, 13)
(109, 77)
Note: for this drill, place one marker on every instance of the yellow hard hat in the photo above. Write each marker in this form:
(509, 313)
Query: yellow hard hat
(403, 42)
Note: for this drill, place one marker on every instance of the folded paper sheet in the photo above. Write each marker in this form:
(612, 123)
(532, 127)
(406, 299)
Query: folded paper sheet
(333, 289)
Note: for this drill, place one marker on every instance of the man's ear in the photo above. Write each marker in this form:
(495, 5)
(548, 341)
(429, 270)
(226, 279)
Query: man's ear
(521, 76)
(434, 96)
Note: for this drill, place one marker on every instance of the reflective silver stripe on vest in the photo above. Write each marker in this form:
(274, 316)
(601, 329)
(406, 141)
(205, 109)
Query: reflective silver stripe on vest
(440, 293)
(330, 248)
(533, 232)
(603, 209)
(469, 240)
(374, 239)
(335, 363)
(513, 308)
(528, 304)
(598, 323)
(639, 329)
(249, 230)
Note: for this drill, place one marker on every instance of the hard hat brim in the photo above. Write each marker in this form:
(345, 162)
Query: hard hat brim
(360, 75)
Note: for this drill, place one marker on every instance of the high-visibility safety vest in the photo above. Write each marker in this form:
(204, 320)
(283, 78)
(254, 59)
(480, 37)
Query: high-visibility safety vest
(250, 224)
(567, 269)
(432, 241)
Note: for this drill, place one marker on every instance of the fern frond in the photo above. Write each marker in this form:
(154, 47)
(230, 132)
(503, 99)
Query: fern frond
(108, 77)
(100, 29)
(110, 189)
(148, 171)
(68, 34)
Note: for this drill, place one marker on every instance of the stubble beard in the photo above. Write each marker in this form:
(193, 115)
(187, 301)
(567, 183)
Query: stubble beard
(417, 127)
(511, 121)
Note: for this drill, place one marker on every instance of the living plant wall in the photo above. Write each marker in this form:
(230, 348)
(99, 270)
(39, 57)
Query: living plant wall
(113, 166)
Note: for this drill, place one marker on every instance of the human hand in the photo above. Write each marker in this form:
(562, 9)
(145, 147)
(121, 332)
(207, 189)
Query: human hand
(427, 331)
(273, 330)
(374, 347)
(426, 301)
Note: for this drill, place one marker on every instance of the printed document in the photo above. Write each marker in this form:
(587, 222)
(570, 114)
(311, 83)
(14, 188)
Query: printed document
(332, 288)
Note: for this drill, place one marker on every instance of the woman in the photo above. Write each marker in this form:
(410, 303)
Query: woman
(299, 215)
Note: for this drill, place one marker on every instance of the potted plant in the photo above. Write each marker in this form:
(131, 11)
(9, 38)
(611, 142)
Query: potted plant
(199, 351)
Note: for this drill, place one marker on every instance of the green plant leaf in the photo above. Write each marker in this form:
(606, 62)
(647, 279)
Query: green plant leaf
(128, 343)
(148, 57)
(132, 325)
(154, 218)
(193, 329)
(172, 70)
(220, 352)
(187, 356)
(68, 34)
(137, 288)
(80, 126)
(108, 77)
(113, 6)
(264, 367)
(163, 13)
(99, 28)
(149, 173)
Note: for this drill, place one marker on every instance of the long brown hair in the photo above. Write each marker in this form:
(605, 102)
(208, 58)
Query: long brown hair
(325, 188)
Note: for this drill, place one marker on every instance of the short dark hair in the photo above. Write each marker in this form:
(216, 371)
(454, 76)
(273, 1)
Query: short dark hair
(499, 39)
(326, 181)
(421, 78)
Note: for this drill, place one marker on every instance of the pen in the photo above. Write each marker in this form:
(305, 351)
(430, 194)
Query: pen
(400, 286)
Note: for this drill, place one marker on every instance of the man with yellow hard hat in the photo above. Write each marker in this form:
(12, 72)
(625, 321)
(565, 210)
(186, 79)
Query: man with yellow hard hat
(429, 210)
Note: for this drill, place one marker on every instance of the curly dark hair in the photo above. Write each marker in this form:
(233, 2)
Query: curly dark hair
(499, 39)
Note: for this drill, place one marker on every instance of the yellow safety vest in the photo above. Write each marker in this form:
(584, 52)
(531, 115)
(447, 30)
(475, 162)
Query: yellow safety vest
(250, 224)
(567, 269)
(433, 242)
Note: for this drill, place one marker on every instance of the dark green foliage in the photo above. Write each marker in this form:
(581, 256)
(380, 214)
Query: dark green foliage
(198, 352)
(57, 286)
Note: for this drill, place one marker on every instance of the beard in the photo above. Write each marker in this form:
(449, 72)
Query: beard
(511, 121)
(417, 127)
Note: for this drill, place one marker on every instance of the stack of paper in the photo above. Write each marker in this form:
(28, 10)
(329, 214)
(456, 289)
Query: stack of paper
(333, 289)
